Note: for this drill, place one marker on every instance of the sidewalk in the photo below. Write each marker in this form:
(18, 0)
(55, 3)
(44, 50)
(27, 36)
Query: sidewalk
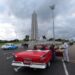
(72, 53)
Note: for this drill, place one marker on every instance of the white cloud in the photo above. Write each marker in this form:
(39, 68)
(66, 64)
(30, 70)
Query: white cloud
(7, 31)
(16, 15)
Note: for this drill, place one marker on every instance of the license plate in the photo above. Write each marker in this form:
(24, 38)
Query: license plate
(27, 62)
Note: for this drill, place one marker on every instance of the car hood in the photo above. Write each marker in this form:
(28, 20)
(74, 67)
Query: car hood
(4, 46)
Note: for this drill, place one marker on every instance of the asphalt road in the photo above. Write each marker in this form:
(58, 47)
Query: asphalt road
(56, 68)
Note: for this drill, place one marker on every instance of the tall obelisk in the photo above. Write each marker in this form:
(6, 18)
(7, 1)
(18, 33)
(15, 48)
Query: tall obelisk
(34, 27)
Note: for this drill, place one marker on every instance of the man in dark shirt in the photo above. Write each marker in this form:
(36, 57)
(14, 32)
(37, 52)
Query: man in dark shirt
(52, 48)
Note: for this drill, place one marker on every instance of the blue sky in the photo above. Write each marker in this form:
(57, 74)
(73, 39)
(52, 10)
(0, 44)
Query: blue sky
(15, 18)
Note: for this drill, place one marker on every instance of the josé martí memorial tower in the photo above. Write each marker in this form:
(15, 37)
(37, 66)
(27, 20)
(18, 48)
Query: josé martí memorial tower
(34, 27)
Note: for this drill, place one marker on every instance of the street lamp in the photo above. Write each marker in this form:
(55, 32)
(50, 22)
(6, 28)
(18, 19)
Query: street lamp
(52, 8)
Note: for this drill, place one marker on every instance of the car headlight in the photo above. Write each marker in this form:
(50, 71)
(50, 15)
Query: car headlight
(15, 56)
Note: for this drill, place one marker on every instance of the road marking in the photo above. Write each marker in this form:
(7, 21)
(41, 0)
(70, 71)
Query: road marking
(65, 68)
(16, 69)
(8, 53)
(9, 57)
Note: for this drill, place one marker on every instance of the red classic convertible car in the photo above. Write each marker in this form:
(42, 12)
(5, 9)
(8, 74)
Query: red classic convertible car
(32, 58)
(39, 58)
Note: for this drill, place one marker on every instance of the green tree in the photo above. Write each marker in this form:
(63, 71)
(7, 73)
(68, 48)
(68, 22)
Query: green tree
(26, 38)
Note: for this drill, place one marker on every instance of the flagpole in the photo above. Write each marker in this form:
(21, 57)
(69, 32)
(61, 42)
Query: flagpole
(52, 8)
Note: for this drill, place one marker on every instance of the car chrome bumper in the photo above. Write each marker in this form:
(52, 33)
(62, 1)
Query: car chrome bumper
(32, 65)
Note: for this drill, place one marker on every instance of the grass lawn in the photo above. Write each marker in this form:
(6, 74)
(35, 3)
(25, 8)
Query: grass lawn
(11, 42)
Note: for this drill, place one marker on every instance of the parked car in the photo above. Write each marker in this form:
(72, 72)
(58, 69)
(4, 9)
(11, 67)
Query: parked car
(37, 58)
(9, 46)
(32, 58)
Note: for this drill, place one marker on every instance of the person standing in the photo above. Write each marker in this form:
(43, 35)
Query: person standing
(65, 52)
(35, 47)
(52, 48)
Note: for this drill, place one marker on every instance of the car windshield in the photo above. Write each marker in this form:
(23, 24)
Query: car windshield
(40, 47)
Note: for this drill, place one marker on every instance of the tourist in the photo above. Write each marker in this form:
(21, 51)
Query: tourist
(35, 47)
(52, 48)
(65, 52)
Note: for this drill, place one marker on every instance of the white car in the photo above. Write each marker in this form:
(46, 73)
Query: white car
(9, 46)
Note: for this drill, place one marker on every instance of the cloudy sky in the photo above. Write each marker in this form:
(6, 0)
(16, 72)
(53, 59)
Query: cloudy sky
(15, 18)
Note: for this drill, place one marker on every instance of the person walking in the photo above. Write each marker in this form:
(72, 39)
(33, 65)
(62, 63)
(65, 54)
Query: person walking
(65, 52)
